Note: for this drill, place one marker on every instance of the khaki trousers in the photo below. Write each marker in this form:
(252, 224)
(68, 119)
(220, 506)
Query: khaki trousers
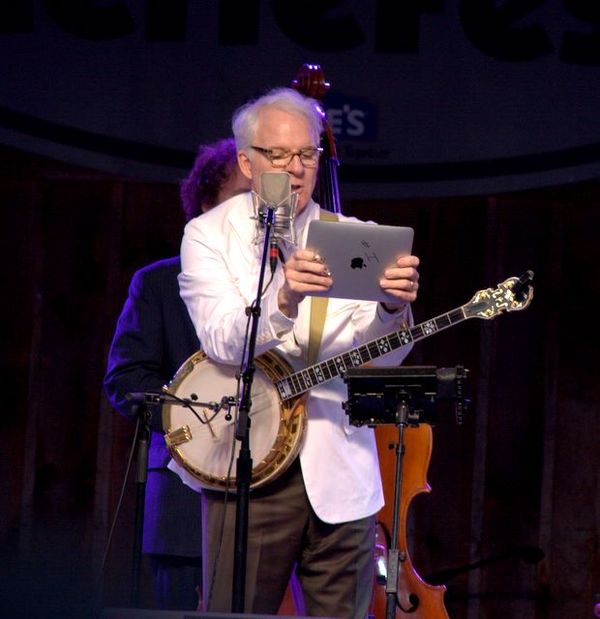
(334, 562)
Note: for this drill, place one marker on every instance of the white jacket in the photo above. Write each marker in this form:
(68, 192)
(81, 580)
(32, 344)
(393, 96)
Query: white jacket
(219, 278)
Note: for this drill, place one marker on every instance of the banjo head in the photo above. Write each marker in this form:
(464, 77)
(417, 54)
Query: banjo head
(202, 440)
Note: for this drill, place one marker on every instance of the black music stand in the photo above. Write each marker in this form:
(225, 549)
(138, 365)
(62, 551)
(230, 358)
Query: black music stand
(400, 396)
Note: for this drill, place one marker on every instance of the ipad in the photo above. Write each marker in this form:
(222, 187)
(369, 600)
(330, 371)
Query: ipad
(357, 254)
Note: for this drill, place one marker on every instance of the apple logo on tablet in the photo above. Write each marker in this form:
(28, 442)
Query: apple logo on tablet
(357, 263)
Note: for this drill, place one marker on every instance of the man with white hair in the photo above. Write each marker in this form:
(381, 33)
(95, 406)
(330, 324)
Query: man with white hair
(319, 513)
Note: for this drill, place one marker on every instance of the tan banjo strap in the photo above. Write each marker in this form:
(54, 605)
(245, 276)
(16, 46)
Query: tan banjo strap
(318, 310)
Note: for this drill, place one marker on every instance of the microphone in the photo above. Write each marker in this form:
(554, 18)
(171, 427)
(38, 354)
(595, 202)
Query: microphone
(163, 397)
(275, 193)
(145, 397)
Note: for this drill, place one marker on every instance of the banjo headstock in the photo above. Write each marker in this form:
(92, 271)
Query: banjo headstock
(512, 295)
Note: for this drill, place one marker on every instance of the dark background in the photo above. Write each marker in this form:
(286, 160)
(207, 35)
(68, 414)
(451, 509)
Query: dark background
(523, 469)
(479, 127)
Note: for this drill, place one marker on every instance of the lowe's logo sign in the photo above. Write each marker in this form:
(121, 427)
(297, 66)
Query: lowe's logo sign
(350, 118)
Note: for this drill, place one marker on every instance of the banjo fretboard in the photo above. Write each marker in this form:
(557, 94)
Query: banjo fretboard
(299, 382)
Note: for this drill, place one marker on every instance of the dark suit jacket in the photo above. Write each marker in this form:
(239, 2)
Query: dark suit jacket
(154, 336)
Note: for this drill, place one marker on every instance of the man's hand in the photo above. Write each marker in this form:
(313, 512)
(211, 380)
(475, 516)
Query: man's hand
(402, 282)
(305, 272)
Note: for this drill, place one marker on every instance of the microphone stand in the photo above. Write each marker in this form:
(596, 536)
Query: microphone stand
(242, 434)
(395, 557)
(140, 409)
(143, 416)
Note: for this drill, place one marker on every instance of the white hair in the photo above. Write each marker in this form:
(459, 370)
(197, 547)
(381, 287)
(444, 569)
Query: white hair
(245, 119)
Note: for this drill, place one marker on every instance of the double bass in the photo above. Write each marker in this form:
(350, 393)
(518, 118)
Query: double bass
(310, 81)
(414, 598)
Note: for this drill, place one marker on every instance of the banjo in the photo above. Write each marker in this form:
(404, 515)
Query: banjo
(201, 438)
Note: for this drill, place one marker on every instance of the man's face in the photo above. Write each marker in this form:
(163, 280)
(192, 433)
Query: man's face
(279, 129)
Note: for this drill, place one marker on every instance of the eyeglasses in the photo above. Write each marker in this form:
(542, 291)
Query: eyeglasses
(281, 158)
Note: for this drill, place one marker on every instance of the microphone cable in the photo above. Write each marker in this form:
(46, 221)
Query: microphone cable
(98, 586)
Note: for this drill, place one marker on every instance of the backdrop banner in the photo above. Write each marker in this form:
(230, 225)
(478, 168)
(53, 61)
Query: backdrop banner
(428, 97)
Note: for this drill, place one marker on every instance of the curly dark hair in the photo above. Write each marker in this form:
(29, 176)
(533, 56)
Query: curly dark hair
(212, 168)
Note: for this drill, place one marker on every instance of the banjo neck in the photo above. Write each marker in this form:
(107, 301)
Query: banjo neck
(486, 304)
(299, 382)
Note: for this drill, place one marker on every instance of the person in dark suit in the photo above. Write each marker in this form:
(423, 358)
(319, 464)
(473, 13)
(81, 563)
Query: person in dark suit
(154, 335)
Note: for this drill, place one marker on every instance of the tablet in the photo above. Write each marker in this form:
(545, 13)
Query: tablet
(357, 255)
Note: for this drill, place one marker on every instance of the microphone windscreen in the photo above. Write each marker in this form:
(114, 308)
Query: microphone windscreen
(275, 187)
(276, 194)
